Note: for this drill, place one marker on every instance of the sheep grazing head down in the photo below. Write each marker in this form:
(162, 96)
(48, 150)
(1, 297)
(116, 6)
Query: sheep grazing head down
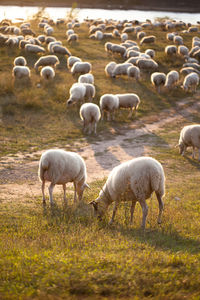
(98, 211)
(70, 101)
(181, 148)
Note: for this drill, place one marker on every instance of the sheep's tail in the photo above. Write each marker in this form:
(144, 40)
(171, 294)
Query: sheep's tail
(43, 166)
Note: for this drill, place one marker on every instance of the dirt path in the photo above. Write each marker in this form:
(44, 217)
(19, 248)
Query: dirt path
(18, 173)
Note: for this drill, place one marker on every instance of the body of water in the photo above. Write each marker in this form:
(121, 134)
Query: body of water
(24, 12)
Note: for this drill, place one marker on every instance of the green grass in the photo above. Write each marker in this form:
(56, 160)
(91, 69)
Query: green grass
(64, 252)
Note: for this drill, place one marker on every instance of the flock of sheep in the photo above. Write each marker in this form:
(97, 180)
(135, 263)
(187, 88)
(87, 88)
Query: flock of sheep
(138, 178)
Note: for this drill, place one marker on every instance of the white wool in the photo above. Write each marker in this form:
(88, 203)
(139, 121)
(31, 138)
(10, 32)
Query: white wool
(90, 114)
(133, 72)
(120, 69)
(190, 137)
(172, 79)
(60, 167)
(86, 78)
(34, 48)
(59, 49)
(109, 103)
(77, 93)
(51, 44)
(47, 73)
(81, 68)
(158, 79)
(146, 64)
(21, 72)
(71, 60)
(170, 50)
(90, 91)
(148, 39)
(20, 61)
(110, 67)
(191, 82)
(129, 100)
(48, 60)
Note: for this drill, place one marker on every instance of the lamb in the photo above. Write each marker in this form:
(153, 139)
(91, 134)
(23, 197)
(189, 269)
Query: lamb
(60, 167)
(170, 50)
(189, 136)
(47, 73)
(158, 79)
(86, 78)
(148, 39)
(172, 79)
(34, 48)
(120, 69)
(81, 68)
(109, 103)
(20, 61)
(59, 49)
(90, 114)
(109, 68)
(129, 100)
(71, 61)
(134, 180)
(21, 72)
(48, 60)
(77, 93)
(191, 81)
(133, 72)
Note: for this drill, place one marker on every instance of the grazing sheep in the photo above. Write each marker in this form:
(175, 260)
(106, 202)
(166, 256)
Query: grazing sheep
(188, 70)
(170, 50)
(60, 167)
(58, 49)
(172, 79)
(129, 100)
(158, 79)
(90, 91)
(134, 180)
(21, 72)
(34, 49)
(49, 39)
(191, 82)
(177, 39)
(108, 47)
(192, 65)
(109, 68)
(72, 38)
(150, 52)
(20, 61)
(48, 30)
(80, 67)
(48, 60)
(86, 78)
(71, 61)
(118, 49)
(190, 136)
(124, 37)
(109, 103)
(41, 38)
(47, 73)
(148, 39)
(77, 93)
(183, 50)
(133, 72)
(90, 114)
(120, 69)
(51, 44)
(140, 35)
(146, 64)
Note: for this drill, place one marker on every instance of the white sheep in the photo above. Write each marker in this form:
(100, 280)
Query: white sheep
(71, 60)
(129, 100)
(172, 79)
(146, 64)
(51, 44)
(90, 114)
(60, 167)
(135, 181)
(148, 39)
(118, 49)
(72, 38)
(77, 93)
(48, 60)
(120, 69)
(109, 68)
(177, 39)
(124, 37)
(183, 50)
(21, 72)
(80, 67)
(48, 30)
(90, 91)
(34, 48)
(59, 49)
(158, 79)
(20, 61)
(133, 72)
(109, 103)
(47, 73)
(190, 136)
(170, 50)
(150, 52)
(191, 82)
(86, 78)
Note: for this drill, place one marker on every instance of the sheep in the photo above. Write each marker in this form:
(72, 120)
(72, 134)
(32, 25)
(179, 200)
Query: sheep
(72, 38)
(69, 32)
(20, 61)
(158, 79)
(48, 60)
(71, 61)
(109, 68)
(109, 103)
(41, 38)
(188, 70)
(59, 49)
(80, 67)
(170, 50)
(90, 114)
(150, 52)
(134, 180)
(189, 136)
(47, 73)
(77, 93)
(172, 79)
(120, 69)
(34, 49)
(86, 78)
(21, 72)
(12, 42)
(49, 39)
(129, 100)
(48, 30)
(124, 37)
(51, 44)
(193, 65)
(177, 39)
(108, 46)
(140, 35)
(148, 39)
(90, 91)
(183, 50)
(133, 72)
(146, 64)
(118, 49)
(190, 82)
(60, 167)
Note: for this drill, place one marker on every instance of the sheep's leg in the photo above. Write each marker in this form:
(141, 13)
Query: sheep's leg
(131, 113)
(193, 153)
(108, 116)
(144, 212)
(64, 190)
(132, 210)
(75, 197)
(95, 128)
(51, 187)
(161, 207)
(43, 195)
(102, 115)
(114, 212)
(199, 154)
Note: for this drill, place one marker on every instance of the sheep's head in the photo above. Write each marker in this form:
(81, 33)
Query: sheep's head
(181, 148)
(70, 101)
(98, 209)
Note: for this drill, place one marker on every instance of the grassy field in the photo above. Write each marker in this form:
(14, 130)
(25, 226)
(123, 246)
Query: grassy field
(64, 252)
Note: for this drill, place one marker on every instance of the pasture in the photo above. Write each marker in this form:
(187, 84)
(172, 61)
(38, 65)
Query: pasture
(65, 252)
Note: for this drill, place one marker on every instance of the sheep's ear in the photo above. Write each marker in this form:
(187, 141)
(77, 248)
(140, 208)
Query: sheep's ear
(94, 203)
(87, 186)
